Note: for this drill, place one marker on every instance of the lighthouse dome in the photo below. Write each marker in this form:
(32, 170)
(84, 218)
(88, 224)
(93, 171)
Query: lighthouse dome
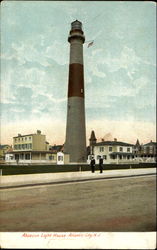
(76, 25)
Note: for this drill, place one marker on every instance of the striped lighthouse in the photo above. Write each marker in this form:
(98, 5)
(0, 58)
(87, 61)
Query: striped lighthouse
(75, 142)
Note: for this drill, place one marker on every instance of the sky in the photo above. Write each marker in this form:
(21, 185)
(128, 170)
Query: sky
(119, 68)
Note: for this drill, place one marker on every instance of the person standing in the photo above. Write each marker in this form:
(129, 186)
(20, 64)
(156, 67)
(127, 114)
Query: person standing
(101, 164)
(92, 164)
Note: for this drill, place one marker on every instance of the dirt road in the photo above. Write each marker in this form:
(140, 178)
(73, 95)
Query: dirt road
(117, 205)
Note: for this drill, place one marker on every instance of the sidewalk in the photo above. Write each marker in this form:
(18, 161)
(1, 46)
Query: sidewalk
(51, 178)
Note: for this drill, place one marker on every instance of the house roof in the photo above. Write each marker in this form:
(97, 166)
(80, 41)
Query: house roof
(113, 143)
(31, 151)
(3, 146)
(56, 148)
(137, 143)
(26, 135)
(10, 150)
(121, 153)
(22, 135)
(92, 137)
(150, 144)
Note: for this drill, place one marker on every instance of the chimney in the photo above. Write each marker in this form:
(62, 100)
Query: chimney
(115, 139)
(38, 132)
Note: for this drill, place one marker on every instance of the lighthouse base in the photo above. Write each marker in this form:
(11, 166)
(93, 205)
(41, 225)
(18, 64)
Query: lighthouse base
(75, 144)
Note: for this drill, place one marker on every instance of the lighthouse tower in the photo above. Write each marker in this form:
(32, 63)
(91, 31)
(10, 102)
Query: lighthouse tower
(75, 142)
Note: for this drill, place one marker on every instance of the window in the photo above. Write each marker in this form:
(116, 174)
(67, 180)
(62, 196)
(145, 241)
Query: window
(110, 149)
(105, 157)
(23, 146)
(16, 157)
(29, 146)
(51, 157)
(60, 158)
(121, 149)
(29, 138)
(90, 157)
(101, 149)
(19, 146)
(128, 149)
(22, 138)
(113, 157)
(25, 138)
(151, 148)
(15, 146)
(15, 139)
(27, 156)
(98, 156)
(147, 149)
(21, 156)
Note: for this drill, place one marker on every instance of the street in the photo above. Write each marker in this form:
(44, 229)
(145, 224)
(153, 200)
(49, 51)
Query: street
(117, 205)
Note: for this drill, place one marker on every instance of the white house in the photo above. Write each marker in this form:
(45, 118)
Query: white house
(9, 157)
(113, 152)
(62, 158)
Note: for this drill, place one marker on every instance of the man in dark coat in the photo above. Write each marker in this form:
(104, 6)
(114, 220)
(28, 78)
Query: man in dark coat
(101, 164)
(92, 163)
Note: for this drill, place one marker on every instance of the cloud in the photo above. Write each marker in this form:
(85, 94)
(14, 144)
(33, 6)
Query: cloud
(18, 77)
(57, 52)
(54, 129)
(27, 92)
(120, 88)
(28, 70)
(27, 52)
(144, 131)
(119, 74)
(127, 60)
(93, 63)
(49, 126)
(99, 65)
(99, 73)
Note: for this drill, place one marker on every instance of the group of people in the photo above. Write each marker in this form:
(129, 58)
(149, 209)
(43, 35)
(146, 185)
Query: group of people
(92, 164)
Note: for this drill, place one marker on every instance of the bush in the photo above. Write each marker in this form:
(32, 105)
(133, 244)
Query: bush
(36, 169)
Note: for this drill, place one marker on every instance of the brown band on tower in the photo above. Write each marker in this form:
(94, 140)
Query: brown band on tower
(76, 80)
(76, 30)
